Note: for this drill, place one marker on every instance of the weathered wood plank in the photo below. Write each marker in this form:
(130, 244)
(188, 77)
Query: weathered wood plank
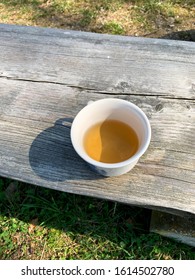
(108, 63)
(35, 147)
(180, 228)
(48, 75)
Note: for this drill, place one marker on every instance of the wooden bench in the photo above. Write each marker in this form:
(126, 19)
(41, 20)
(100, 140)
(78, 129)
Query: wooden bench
(48, 75)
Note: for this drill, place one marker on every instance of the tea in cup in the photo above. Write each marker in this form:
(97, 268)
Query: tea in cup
(111, 141)
(111, 135)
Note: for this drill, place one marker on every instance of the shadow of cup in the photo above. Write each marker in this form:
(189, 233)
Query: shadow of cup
(53, 158)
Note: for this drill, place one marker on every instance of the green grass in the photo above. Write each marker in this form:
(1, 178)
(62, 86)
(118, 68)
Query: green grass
(124, 17)
(39, 223)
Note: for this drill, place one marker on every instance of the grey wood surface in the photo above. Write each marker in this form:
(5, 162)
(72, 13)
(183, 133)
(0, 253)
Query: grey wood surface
(177, 227)
(48, 75)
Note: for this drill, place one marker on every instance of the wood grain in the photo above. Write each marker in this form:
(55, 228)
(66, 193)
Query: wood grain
(180, 228)
(48, 75)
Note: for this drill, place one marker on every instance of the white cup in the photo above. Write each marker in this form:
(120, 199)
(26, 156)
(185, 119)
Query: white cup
(114, 109)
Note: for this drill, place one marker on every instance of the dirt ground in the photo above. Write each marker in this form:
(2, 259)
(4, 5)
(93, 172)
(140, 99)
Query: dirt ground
(172, 19)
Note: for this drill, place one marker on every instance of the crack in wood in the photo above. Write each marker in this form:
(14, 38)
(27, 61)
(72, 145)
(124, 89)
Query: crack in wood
(82, 88)
(44, 82)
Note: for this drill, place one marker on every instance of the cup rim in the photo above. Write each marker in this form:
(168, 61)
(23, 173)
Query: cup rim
(132, 159)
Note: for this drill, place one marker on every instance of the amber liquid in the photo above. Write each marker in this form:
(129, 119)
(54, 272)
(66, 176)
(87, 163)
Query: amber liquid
(111, 141)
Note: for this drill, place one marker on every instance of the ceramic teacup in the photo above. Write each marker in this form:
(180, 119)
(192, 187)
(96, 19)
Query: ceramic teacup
(111, 109)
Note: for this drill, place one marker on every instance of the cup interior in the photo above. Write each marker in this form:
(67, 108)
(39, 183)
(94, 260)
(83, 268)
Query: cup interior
(110, 109)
